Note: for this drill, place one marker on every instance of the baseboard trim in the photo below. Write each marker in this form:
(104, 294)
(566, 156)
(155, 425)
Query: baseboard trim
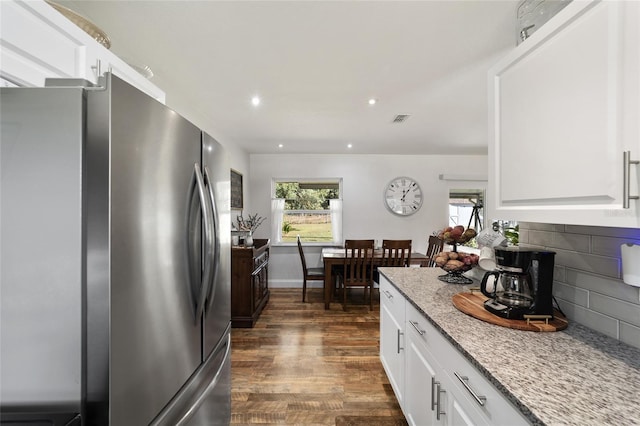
(298, 284)
(294, 284)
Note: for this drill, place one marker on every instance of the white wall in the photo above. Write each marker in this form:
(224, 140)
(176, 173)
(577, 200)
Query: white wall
(364, 214)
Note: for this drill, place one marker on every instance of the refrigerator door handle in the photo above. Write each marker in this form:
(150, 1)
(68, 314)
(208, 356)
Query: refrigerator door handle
(211, 293)
(208, 244)
(215, 240)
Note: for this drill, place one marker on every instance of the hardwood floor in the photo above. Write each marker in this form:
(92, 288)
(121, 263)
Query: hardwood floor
(302, 365)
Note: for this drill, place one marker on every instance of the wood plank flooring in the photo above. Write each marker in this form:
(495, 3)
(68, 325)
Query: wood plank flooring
(302, 365)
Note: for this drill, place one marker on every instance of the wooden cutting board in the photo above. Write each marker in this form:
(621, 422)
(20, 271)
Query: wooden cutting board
(472, 303)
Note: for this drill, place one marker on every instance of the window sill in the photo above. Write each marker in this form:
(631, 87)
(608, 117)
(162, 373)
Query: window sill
(307, 244)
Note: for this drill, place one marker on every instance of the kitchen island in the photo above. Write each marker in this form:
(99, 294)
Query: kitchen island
(576, 376)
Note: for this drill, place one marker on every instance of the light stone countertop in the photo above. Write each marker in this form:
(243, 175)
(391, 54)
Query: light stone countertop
(572, 377)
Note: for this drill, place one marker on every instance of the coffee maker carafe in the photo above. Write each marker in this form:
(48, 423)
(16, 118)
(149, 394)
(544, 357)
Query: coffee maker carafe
(522, 283)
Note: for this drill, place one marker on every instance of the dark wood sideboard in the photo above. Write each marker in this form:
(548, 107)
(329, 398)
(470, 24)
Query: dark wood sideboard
(249, 282)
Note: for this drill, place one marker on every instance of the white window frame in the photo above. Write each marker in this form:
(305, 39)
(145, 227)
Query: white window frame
(276, 228)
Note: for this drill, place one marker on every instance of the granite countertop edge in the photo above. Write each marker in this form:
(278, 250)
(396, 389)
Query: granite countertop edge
(554, 355)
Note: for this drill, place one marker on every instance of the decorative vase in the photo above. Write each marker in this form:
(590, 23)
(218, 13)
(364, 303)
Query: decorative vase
(248, 240)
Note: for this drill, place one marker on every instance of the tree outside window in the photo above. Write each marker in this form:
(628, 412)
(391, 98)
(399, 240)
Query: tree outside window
(310, 209)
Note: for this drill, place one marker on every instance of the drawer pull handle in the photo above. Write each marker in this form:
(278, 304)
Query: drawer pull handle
(415, 325)
(389, 295)
(438, 392)
(465, 381)
(400, 333)
(433, 399)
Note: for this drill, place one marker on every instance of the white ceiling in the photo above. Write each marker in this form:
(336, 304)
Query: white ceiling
(315, 64)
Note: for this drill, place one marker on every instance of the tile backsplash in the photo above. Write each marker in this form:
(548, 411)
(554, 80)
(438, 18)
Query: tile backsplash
(588, 276)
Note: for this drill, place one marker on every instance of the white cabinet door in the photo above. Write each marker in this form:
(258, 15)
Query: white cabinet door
(565, 108)
(460, 413)
(430, 397)
(420, 385)
(462, 410)
(392, 339)
(37, 42)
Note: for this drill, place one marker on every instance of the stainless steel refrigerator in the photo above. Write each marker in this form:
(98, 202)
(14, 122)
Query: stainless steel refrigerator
(115, 260)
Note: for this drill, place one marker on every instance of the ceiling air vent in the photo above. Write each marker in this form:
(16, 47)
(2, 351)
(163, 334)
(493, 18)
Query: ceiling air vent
(401, 118)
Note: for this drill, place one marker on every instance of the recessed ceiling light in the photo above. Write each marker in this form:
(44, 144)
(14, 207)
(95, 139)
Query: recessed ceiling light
(280, 145)
(349, 146)
(255, 100)
(372, 101)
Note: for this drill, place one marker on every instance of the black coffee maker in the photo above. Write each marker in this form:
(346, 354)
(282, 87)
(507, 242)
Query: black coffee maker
(522, 283)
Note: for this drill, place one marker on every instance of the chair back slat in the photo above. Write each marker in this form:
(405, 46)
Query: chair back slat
(396, 253)
(434, 247)
(358, 261)
(357, 268)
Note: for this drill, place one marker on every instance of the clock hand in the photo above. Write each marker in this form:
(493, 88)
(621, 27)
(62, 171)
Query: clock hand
(404, 194)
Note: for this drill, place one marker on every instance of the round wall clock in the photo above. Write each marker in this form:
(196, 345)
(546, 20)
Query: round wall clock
(403, 196)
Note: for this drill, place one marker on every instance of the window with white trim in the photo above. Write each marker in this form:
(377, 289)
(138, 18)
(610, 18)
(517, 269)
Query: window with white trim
(310, 208)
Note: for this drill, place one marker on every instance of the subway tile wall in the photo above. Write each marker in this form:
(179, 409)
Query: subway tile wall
(588, 276)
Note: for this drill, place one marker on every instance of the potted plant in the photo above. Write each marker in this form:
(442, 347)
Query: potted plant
(249, 225)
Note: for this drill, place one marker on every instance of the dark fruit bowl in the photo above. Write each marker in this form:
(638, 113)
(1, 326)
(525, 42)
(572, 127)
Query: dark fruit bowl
(455, 276)
(463, 268)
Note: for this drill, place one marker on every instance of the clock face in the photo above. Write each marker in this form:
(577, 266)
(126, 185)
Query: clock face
(403, 196)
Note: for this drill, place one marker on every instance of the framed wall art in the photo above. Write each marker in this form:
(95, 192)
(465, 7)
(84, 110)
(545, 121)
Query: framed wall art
(236, 190)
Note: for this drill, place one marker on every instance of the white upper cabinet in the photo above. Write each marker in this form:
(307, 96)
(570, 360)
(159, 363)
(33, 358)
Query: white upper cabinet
(37, 42)
(563, 110)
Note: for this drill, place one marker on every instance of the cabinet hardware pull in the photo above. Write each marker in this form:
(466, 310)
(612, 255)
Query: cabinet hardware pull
(433, 399)
(439, 391)
(259, 268)
(415, 325)
(544, 318)
(400, 333)
(389, 295)
(465, 381)
(524, 33)
(626, 184)
(97, 71)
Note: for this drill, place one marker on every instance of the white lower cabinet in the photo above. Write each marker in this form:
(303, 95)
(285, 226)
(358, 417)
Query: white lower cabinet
(421, 403)
(392, 340)
(431, 396)
(437, 385)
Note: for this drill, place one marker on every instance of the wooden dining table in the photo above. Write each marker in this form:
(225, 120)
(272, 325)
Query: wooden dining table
(333, 256)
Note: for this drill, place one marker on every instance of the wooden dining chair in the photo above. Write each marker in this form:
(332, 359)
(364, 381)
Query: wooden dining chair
(357, 269)
(434, 247)
(394, 253)
(312, 274)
